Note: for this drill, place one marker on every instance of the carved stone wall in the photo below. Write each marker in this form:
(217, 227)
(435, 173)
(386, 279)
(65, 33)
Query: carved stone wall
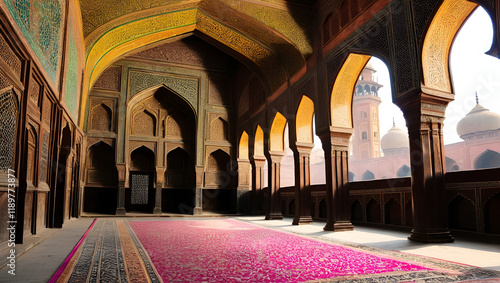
(219, 91)
(219, 129)
(144, 123)
(101, 117)
(190, 51)
(110, 79)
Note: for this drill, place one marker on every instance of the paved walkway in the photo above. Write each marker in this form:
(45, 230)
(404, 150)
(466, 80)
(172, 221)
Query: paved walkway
(37, 261)
(40, 261)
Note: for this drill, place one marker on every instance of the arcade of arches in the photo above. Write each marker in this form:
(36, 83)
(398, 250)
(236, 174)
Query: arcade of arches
(176, 106)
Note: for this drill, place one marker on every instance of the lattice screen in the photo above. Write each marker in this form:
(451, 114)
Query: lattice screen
(8, 114)
(139, 187)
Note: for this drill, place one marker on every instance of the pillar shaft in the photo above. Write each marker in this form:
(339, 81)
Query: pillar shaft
(336, 148)
(160, 173)
(200, 170)
(120, 205)
(244, 186)
(424, 118)
(274, 202)
(258, 163)
(302, 157)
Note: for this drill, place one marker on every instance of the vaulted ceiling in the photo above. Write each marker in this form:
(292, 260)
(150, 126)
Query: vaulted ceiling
(272, 36)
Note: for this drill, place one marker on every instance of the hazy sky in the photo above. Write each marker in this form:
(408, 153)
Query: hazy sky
(472, 71)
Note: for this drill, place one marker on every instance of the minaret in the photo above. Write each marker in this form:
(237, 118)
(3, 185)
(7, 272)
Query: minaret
(365, 112)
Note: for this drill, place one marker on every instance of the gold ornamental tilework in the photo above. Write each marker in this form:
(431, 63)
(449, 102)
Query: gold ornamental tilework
(137, 29)
(267, 62)
(343, 88)
(97, 33)
(290, 56)
(436, 49)
(295, 28)
(96, 13)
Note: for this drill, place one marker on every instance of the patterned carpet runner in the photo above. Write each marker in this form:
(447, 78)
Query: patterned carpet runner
(227, 250)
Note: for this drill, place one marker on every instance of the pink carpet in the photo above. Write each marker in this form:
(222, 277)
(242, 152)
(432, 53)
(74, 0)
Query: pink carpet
(233, 251)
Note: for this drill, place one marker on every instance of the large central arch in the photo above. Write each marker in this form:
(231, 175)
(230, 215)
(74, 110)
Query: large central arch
(268, 53)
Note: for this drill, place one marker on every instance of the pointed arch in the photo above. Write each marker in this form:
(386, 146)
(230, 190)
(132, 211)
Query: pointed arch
(487, 159)
(404, 171)
(101, 165)
(277, 133)
(304, 120)
(180, 171)
(218, 161)
(219, 129)
(343, 89)
(142, 159)
(438, 40)
(144, 123)
(101, 118)
(258, 145)
(451, 165)
(243, 146)
(368, 175)
(273, 57)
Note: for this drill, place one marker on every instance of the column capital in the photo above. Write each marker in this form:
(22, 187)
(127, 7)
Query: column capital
(336, 139)
(304, 148)
(424, 106)
(258, 158)
(276, 156)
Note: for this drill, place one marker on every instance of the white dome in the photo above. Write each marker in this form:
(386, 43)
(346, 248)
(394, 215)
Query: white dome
(395, 138)
(479, 119)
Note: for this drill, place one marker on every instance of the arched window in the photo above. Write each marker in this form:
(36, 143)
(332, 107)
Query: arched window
(364, 136)
(404, 171)
(488, 159)
(368, 175)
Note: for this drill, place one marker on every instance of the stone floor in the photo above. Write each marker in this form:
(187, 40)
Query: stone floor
(41, 256)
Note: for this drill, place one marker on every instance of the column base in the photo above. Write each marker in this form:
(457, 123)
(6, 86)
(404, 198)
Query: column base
(274, 216)
(197, 211)
(302, 220)
(339, 226)
(121, 211)
(157, 210)
(438, 236)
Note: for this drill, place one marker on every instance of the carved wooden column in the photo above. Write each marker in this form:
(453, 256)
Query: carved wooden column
(424, 119)
(336, 147)
(302, 155)
(244, 186)
(120, 205)
(274, 201)
(258, 163)
(160, 173)
(198, 194)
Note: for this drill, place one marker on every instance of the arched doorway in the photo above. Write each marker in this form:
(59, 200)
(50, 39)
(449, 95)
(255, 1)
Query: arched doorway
(462, 214)
(100, 191)
(392, 211)
(356, 211)
(178, 196)
(373, 211)
(219, 194)
(58, 195)
(140, 196)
